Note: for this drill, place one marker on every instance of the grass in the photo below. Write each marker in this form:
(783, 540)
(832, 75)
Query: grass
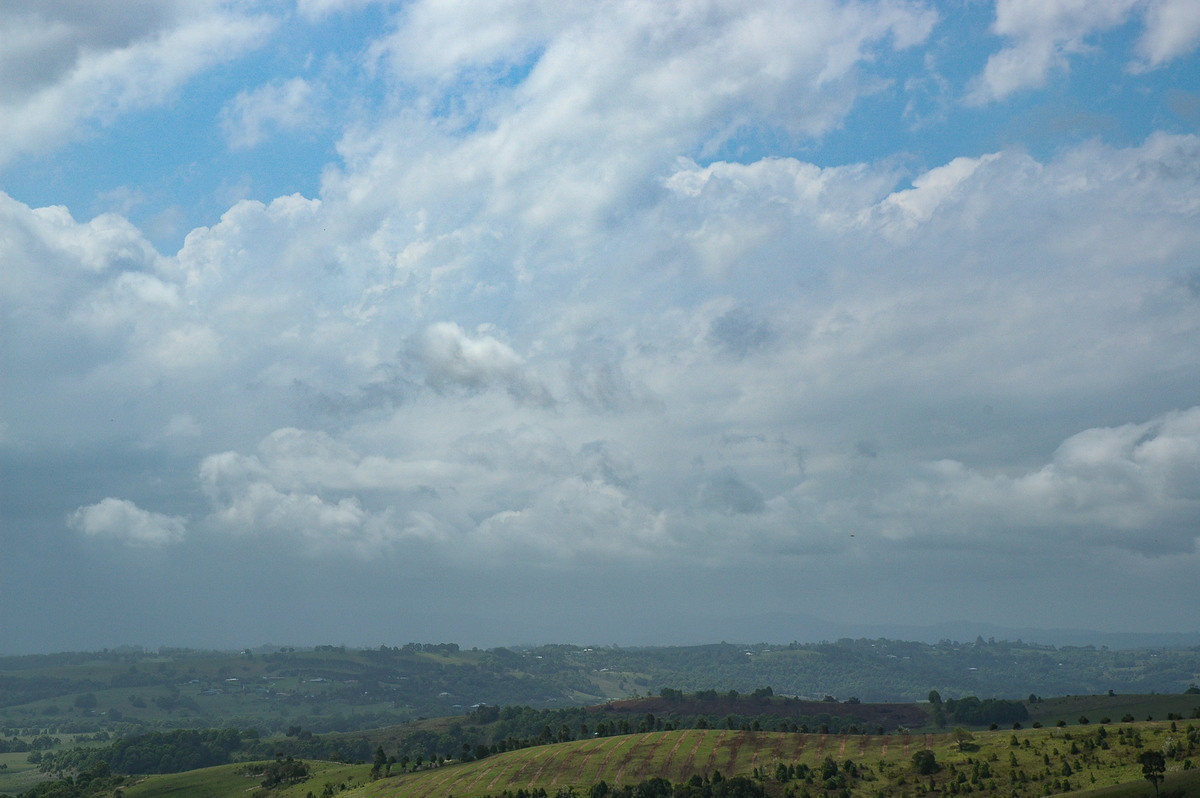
(1177, 785)
(1095, 707)
(991, 764)
(1023, 763)
(228, 781)
(19, 776)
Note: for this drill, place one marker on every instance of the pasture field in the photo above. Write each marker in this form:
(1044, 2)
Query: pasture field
(1095, 707)
(20, 775)
(228, 781)
(1084, 760)
(1177, 785)
(1023, 763)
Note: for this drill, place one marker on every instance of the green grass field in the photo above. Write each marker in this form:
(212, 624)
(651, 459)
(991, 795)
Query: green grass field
(1041, 759)
(228, 781)
(1023, 763)
(1097, 707)
(1177, 785)
(19, 775)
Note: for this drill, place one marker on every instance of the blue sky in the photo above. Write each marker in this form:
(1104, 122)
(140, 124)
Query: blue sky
(363, 322)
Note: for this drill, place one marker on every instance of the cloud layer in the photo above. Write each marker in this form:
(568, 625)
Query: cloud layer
(574, 298)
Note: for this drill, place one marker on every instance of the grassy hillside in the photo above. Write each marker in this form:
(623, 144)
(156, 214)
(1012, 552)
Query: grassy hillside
(327, 689)
(1177, 785)
(230, 781)
(335, 689)
(1022, 763)
(1095, 708)
(19, 776)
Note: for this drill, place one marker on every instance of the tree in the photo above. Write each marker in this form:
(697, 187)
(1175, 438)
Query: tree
(1154, 767)
(962, 738)
(935, 697)
(926, 763)
(379, 763)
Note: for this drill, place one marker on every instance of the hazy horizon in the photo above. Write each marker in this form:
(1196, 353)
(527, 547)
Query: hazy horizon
(368, 322)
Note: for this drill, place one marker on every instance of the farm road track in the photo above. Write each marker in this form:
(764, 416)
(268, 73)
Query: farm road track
(514, 778)
(689, 764)
(670, 760)
(734, 749)
(586, 758)
(560, 753)
(647, 768)
(711, 762)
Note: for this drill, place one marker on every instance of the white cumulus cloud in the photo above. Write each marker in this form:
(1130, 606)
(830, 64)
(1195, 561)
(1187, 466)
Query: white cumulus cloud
(454, 359)
(123, 521)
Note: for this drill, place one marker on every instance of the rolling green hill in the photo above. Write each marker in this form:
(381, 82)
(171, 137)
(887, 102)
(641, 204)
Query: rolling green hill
(442, 703)
(1033, 762)
(335, 689)
(232, 781)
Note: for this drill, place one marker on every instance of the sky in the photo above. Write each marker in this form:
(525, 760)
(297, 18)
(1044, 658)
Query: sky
(624, 322)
